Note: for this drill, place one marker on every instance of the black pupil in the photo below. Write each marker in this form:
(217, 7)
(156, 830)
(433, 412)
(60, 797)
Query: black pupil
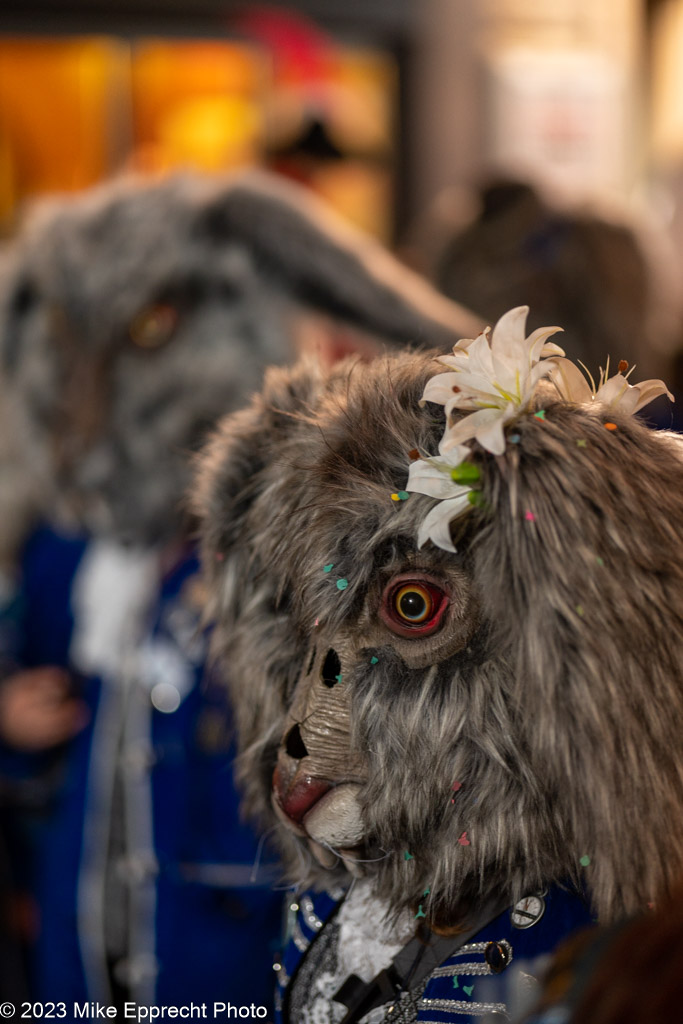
(412, 605)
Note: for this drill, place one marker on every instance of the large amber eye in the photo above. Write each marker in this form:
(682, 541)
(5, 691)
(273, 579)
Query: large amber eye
(413, 605)
(153, 326)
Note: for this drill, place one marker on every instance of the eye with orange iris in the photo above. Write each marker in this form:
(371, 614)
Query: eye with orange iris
(153, 326)
(413, 606)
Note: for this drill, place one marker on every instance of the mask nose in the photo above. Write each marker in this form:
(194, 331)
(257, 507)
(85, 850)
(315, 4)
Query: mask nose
(314, 755)
(294, 744)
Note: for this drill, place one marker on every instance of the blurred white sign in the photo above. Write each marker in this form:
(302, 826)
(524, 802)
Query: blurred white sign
(558, 116)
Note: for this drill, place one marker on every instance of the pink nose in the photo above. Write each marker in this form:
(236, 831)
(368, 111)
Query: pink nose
(297, 799)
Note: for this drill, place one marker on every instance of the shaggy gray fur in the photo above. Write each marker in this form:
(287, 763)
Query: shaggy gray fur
(562, 713)
(100, 428)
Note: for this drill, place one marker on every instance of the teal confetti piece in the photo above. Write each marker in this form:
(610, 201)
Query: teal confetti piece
(408, 856)
(515, 438)
(425, 893)
(373, 660)
(456, 983)
(342, 584)
(339, 678)
(584, 861)
(468, 989)
(328, 568)
(420, 912)
(540, 415)
(403, 495)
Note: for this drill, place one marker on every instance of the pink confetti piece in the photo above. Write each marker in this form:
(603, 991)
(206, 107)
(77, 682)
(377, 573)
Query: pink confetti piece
(456, 786)
(529, 516)
(463, 840)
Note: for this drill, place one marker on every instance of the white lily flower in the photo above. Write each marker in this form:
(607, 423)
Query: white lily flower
(494, 374)
(494, 377)
(613, 392)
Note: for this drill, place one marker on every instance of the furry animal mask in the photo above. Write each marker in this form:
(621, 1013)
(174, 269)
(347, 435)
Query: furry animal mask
(527, 726)
(133, 316)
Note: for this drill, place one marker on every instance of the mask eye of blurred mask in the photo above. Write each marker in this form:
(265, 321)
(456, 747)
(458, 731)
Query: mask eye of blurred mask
(153, 326)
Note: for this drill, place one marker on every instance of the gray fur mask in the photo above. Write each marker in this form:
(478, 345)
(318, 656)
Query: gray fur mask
(133, 316)
(530, 723)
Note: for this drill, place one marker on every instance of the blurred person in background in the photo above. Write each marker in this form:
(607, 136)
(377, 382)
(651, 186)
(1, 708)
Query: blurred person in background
(604, 278)
(131, 318)
(629, 973)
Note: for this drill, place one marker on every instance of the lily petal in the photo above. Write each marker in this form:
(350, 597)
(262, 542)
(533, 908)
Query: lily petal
(570, 382)
(439, 389)
(536, 373)
(432, 477)
(491, 436)
(436, 524)
(453, 451)
(613, 390)
(507, 339)
(649, 390)
(539, 347)
(470, 426)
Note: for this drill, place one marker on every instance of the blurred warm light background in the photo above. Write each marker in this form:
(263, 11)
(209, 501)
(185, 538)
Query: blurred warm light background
(75, 110)
(377, 106)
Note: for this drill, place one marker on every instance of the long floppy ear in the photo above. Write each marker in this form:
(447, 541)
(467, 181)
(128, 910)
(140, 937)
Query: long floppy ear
(580, 566)
(327, 266)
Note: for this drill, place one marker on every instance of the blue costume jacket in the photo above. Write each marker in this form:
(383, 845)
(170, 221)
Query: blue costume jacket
(478, 982)
(141, 833)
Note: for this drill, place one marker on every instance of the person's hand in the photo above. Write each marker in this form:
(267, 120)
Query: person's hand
(37, 710)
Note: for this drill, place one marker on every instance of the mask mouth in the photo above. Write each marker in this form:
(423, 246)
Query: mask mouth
(296, 798)
(325, 813)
